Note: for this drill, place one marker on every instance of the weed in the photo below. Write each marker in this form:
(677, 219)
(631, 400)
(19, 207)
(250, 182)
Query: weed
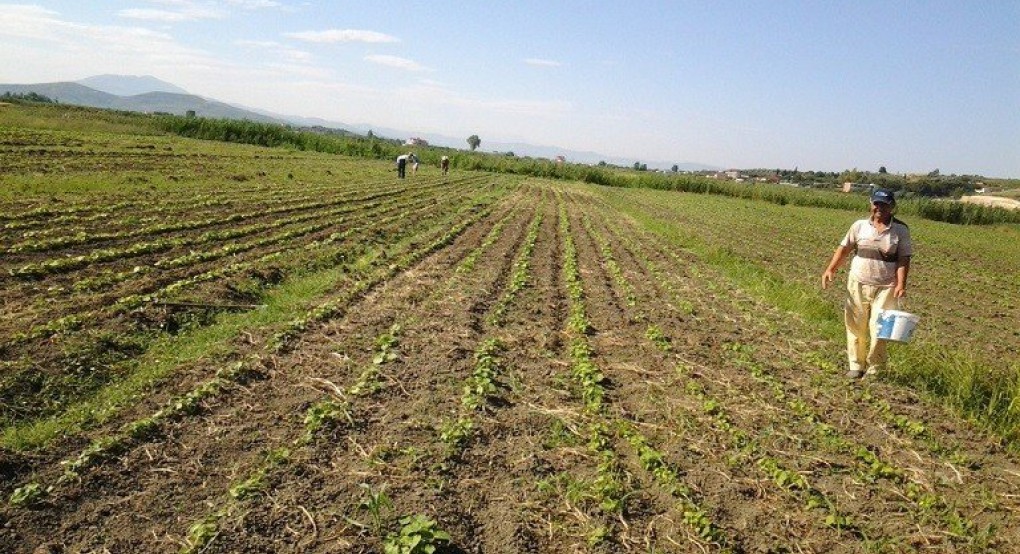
(418, 535)
(28, 495)
(325, 414)
(375, 503)
(455, 433)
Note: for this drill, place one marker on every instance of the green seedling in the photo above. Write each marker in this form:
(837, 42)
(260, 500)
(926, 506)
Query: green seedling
(327, 414)
(418, 535)
(28, 495)
(376, 502)
(455, 433)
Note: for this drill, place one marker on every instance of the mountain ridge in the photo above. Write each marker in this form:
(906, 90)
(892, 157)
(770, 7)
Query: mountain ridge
(101, 91)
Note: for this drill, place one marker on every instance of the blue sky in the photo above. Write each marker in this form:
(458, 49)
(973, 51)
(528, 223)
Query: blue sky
(912, 86)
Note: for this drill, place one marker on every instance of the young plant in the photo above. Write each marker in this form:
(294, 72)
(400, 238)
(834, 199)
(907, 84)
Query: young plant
(418, 535)
(376, 502)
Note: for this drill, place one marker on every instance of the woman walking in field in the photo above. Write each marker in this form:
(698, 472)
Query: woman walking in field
(877, 280)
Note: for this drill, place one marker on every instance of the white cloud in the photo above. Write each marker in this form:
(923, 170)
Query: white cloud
(397, 62)
(542, 63)
(186, 12)
(176, 11)
(254, 4)
(278, 50)
(342, 35)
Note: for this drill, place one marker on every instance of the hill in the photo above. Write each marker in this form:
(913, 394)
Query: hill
(149, 94)
(159, 101)
(130, 85)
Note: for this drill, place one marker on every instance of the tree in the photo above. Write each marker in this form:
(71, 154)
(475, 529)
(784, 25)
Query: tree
(675, 168)
(473, 141)
(850, 176)
(882, 170)
(637, 166)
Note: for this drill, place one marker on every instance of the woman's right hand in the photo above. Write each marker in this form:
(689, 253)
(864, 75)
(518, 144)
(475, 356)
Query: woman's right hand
(827, 277)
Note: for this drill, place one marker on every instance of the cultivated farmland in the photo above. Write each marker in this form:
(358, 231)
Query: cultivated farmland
(222, 348)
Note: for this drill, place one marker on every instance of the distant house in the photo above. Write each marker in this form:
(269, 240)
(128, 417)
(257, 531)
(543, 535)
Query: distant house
(561, 159)
(416, 141)
(854, 187)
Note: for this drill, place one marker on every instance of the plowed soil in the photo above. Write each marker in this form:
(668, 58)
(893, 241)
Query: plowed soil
(779, 452)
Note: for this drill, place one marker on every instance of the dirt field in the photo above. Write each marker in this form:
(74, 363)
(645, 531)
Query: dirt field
(997, 201)
(555, 379)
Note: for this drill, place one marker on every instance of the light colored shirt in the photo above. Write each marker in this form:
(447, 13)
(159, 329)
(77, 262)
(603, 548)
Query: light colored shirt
(877, 253)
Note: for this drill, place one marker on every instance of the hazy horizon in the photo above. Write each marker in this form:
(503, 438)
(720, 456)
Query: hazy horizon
(828, 87)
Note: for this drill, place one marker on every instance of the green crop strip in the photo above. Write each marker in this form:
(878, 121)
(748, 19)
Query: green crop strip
(295, 267)
(203, 532)
(927, 503)
(77, 321)
(955, 376)
(468, 263)
(520, 273)
(168, 354)
(325, 414)
(651, 460)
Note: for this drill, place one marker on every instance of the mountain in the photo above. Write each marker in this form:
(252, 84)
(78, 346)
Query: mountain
(129, 85)
(66, 93)
(148, 94)
(169, 102)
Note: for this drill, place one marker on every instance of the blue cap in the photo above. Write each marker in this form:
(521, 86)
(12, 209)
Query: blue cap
(883, 196)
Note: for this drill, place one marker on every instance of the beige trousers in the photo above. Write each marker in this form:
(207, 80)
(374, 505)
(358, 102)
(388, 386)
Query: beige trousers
(861, 314)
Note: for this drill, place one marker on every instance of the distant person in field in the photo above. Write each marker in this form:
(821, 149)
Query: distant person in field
(402, 165)
(414, 163)
(444, 164)
(877, 281)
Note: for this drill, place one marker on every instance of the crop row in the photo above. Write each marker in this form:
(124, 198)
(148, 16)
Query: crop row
(589, 379)
(105, 448)
(133, 301)
(133, 212)
(928, 505)
(82, 238)
(367, 211)
(335, 412)
(319, 257)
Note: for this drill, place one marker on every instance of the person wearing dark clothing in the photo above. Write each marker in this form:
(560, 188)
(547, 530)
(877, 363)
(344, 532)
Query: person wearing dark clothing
(401, 166)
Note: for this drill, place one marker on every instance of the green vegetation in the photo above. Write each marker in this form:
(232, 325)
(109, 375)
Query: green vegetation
(31, 97)
(417, 535)
(307, 351)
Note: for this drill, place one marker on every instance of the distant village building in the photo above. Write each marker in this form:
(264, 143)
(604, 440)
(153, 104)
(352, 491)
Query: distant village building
(855, 187)
(561, 159)
(416, 141)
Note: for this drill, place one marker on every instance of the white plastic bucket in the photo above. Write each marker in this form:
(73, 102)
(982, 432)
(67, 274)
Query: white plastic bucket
(896, 325)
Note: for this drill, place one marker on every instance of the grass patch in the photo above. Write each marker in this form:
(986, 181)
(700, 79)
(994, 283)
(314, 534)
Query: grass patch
(955, 377)
(213, 342)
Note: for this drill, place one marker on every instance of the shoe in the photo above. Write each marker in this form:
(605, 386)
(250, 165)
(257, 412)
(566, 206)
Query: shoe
(855, 374)
(871, 372)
